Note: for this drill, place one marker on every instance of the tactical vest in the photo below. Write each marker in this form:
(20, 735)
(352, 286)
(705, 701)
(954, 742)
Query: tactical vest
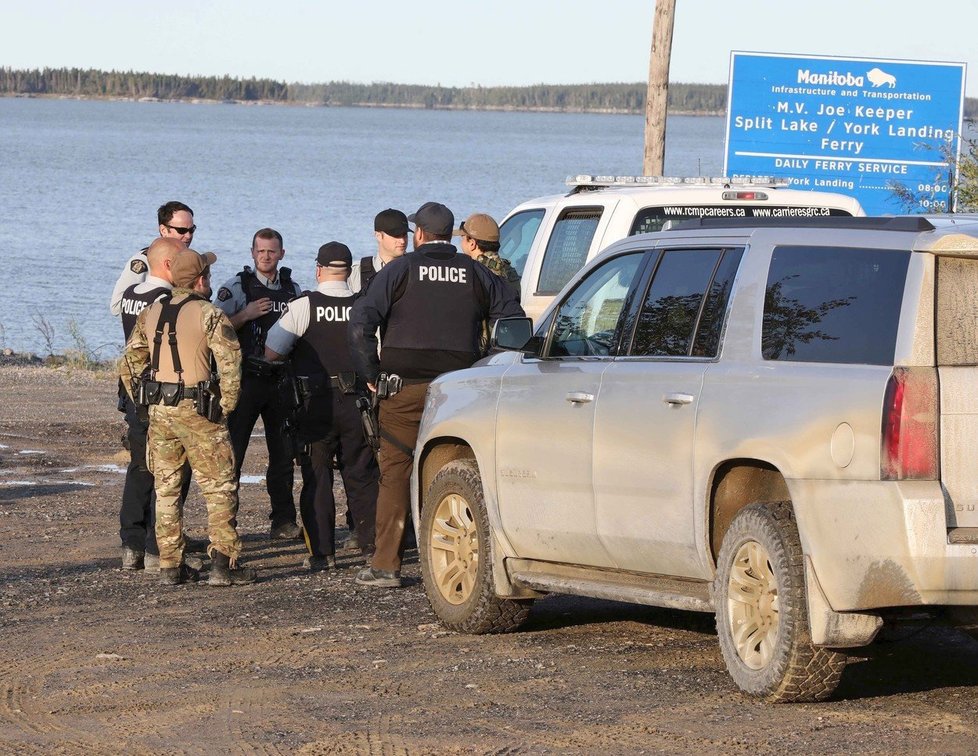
(442, 306)
(367, 271)
(133, 304)
(184, 347)
(324, 349)
(252, 334)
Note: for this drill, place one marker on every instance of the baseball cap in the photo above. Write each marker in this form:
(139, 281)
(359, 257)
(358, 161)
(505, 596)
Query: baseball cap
(479, 226)
(434, 218)
(188, 265)
(391, 222)
(334, 254)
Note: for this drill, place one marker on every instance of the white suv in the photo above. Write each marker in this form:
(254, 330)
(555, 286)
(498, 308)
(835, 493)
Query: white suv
(549, 239)
(776, 423)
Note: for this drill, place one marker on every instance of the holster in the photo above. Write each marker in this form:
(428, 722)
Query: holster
(348, 382)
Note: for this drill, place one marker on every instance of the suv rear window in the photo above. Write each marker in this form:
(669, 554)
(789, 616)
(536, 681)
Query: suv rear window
(650, 219)
(833, 304)
(568, 247)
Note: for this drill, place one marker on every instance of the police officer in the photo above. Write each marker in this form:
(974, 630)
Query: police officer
(391, 231)
(317, 324)
(254, 300)
(430, 305)
(136, 515)
(176, 222)
(188, 355)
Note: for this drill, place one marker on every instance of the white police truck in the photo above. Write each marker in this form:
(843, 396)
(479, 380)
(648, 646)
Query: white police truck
(549, 239)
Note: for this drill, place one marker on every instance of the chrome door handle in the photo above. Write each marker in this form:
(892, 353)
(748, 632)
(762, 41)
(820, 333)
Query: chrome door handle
(579, 397)
(678, 399)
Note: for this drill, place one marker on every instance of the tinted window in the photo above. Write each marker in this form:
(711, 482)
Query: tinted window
(672, 306)
(654, 218)
(567, 249)
(586, 323)
(516, 236)
(826, 304)
(707, 340)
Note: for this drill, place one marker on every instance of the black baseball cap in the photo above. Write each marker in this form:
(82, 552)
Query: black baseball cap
(434, 218)
(391, 222)
(334, 254)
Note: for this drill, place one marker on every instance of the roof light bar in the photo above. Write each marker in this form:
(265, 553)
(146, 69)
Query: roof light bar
(585, 180)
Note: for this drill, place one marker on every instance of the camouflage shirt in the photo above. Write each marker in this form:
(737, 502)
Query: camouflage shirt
(220, 338)
(500, 267)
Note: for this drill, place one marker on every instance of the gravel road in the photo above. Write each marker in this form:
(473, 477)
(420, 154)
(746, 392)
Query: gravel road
(93, 659)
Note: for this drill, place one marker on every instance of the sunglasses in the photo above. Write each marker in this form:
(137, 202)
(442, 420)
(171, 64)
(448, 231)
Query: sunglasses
(181, 229)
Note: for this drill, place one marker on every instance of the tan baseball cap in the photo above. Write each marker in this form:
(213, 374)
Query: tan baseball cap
(479, 226)
(188, 265)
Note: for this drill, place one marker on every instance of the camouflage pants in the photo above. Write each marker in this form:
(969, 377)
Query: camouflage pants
(178, 434)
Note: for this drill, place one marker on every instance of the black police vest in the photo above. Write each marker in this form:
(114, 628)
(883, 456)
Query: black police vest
(324, 348)
(133, 304)
(442, 307)
(252, 334)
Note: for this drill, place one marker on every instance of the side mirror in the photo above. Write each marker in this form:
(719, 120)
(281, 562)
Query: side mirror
(514, 334)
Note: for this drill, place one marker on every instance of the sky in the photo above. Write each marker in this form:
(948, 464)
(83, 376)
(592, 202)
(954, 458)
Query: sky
(464, 42)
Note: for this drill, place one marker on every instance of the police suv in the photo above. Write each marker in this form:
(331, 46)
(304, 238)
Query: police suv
(774, 422)
(549, 239)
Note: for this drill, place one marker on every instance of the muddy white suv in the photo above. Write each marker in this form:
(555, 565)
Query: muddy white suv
(549, 239)
(774, 423)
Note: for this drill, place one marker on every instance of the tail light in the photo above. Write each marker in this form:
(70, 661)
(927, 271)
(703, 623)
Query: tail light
(911, 441)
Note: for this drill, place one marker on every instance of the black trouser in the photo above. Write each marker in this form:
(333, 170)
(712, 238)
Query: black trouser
(137, 515)
(360, 476)
(260, 397)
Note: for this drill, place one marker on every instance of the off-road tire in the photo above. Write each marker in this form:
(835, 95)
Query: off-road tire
(473, 607)
(788, 668)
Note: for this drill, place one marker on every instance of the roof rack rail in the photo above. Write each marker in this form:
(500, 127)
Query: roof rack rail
(583, 182)
(910, 223)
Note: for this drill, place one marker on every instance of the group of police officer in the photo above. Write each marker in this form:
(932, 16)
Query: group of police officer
(196, 376)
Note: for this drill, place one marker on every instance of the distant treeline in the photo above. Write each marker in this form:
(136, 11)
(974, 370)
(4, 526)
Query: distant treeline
(622, 98)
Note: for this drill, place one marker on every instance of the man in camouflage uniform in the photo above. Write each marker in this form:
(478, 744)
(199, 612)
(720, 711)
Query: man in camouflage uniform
(181, 340)
(480, 241)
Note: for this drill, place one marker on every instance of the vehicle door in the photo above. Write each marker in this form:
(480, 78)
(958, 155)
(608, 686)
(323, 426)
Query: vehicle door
(545, 421)
(645, 419)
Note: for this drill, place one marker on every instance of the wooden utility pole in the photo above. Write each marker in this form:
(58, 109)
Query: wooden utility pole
(658, 95)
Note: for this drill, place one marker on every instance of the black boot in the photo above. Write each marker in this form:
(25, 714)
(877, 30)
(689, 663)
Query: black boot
(223, 574)
(178, 575)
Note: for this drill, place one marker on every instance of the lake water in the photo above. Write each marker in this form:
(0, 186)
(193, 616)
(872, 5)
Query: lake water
(80, 182)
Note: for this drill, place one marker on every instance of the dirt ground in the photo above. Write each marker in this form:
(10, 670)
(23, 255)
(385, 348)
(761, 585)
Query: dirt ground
(93, 659)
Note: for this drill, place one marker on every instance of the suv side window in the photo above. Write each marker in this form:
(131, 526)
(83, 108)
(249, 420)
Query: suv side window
(586, 322)
(688, 295)
(567, 248)
(516, 236)
(833, 304)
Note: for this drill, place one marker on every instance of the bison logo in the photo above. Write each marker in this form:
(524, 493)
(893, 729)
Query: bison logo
(878, 78)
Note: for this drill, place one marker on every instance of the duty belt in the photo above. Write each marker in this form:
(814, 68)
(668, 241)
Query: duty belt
(187, 392)
(310, 385)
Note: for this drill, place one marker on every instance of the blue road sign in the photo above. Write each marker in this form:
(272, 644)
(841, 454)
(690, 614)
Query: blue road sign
(849, 125)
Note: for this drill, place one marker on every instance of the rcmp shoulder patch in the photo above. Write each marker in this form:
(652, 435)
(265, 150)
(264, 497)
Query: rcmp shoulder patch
(138, 267)
(224, 294)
